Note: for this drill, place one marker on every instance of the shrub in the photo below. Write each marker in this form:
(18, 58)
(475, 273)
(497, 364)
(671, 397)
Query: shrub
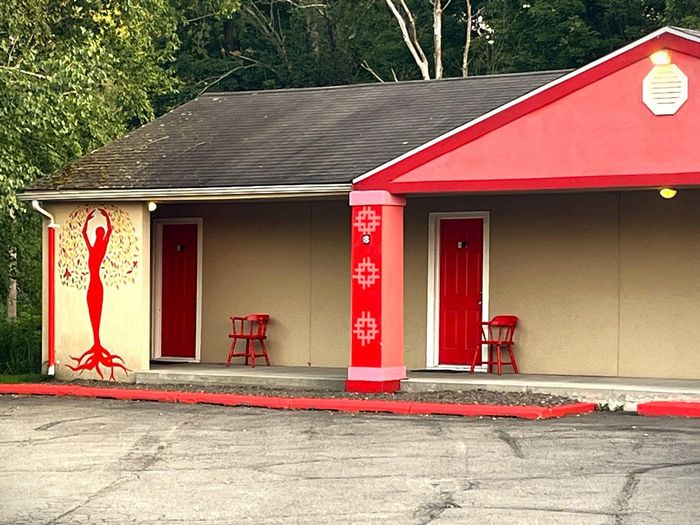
(20, 345)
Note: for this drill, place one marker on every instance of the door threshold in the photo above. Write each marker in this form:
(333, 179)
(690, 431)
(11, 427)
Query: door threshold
(454, 368)
(164, 359)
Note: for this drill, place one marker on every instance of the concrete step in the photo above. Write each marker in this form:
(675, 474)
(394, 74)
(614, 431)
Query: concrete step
(303, 379)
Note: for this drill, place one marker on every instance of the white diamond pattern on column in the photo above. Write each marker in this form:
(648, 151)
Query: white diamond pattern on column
(367, 220)
(365, 328)
(366, 273)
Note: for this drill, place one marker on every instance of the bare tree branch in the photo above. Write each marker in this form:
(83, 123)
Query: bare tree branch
(437, 37)
(468, 43)
(414, 31)
(266, 25)
(410, 39)
(25, 72)
(366, 66)
(224, 76)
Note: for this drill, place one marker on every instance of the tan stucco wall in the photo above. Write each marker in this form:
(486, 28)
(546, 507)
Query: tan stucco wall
(604, 283)
(285, 258)
(125, 327)
(660, 285)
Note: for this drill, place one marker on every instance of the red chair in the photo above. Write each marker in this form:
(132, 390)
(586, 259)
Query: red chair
(250, 328)
(498, 334)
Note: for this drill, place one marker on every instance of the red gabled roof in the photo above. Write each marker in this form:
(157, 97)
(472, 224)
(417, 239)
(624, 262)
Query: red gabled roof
(465, 160)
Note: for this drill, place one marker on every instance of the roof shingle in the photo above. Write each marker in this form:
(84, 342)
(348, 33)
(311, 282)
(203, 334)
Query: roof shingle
(289, 136)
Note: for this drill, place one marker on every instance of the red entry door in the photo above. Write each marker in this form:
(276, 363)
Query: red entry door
(461, 270)
(179, 290)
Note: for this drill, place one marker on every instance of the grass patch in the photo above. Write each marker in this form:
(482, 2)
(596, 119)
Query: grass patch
(22, 378)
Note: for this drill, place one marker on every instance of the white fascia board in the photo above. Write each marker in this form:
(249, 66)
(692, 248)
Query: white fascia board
(192, 194)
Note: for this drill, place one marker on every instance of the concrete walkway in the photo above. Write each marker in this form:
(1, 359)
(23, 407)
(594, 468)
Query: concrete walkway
(616, 392)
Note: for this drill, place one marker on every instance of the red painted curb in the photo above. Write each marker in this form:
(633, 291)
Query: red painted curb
(569, 410)
(669, 408)
(302, 403)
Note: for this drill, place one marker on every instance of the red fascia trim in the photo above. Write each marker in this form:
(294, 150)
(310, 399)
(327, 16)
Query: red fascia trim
(300, 403)
(669, 408)
(553, 183)
(382, 179)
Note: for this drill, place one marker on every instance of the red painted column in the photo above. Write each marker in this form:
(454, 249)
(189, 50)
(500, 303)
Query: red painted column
(376, 363)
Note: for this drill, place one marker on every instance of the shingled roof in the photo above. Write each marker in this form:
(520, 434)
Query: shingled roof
(325, 135)
(692, 32)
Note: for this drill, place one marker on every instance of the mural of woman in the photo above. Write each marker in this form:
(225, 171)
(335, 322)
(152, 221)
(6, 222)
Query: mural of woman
(97, 355)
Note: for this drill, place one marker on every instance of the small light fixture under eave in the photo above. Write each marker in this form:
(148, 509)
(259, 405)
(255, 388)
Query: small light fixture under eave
(661, 58)
(667, 193)
(152, 206)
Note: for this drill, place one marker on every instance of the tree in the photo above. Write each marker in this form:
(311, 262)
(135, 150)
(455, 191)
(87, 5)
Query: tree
(409, 31)
(683, 13)
(73, 76)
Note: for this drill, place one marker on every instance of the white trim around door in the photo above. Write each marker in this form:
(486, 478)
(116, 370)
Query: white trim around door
(158, 292)
(433, 321)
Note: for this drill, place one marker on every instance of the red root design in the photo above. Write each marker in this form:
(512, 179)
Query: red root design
(94, 358)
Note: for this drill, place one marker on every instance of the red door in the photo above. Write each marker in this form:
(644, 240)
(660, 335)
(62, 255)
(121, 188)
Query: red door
(461, 269)
(179, 290)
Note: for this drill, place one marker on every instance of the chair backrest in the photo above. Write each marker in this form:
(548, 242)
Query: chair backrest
(502, 328)
(258, 324)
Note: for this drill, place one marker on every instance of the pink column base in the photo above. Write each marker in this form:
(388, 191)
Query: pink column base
(371, 373)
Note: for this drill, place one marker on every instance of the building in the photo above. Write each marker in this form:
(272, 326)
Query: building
(532, 194)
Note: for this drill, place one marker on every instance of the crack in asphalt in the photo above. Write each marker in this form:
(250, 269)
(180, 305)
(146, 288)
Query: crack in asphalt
(631, 483)
(40, 441)
(104, 490)
(61, 421)
(142, 460)
(432, 510)
(548, 509)
(511, 442)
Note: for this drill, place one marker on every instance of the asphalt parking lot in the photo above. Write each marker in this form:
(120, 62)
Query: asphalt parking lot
(83, 461)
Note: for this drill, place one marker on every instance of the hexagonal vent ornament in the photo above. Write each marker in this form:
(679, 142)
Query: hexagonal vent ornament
(665, 89)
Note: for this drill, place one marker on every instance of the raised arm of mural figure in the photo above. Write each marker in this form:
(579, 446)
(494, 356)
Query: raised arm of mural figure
(97, 355)
(109, 224)
(85, 227)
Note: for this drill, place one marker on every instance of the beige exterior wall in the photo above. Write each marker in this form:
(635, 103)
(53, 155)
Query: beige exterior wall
(284, 258)
(125, 324)
(604, 283)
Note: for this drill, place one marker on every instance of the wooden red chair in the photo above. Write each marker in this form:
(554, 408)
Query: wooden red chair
(250, 328)
(497, 334)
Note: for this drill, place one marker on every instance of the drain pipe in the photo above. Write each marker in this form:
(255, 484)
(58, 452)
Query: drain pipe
(51, 285)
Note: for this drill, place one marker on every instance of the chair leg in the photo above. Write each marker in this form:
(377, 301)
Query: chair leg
(264, 351)
(251, 342)
(498, 356)
(512, 359)
(230, 352)
(474, 359)
(247, 353)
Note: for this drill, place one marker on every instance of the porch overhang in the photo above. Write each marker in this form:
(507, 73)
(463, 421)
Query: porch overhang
(588, 130)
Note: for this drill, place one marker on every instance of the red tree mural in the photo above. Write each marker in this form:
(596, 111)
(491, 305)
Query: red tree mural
(112, 258)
